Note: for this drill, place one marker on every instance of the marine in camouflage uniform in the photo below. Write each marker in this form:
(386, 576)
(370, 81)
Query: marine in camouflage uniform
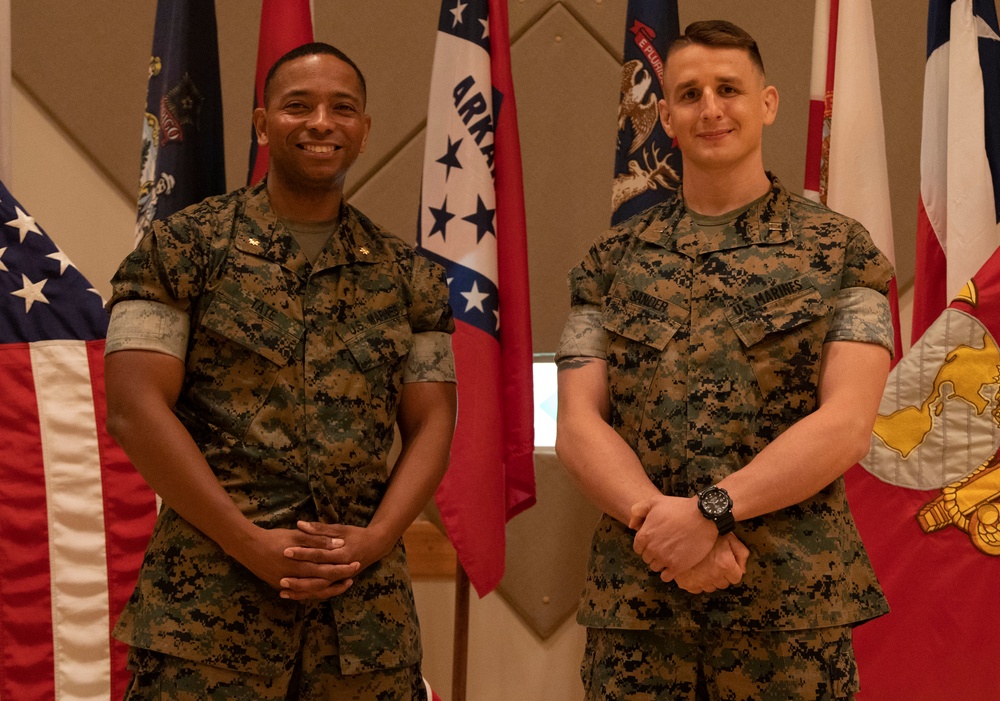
(713, 334)
(294, 374)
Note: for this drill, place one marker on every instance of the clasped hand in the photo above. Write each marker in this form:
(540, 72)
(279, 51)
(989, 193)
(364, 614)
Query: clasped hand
(675, 540)
(317, 561)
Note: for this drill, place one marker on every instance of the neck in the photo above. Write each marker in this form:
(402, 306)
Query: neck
(717, 192)
(303, 204)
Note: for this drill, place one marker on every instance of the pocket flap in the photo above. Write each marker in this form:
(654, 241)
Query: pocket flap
(640, 323)
(252, 323)
(372, 346)
(769, 312)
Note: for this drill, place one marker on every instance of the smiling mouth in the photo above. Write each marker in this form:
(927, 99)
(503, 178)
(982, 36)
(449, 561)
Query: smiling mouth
(319, 148)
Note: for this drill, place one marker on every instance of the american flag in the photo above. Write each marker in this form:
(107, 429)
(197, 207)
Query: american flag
(74, 514)
(472, 222)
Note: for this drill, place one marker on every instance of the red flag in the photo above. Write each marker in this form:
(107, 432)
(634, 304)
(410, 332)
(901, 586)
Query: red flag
(284, 25)
(959, 208)
(74, 515)
(928, 508)
(472, 222)
(845, 157)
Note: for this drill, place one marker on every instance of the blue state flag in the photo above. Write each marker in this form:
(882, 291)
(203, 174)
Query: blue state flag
(647, 165)
(183, 159)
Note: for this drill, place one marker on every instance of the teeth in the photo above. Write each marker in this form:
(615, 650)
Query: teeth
(318, 148)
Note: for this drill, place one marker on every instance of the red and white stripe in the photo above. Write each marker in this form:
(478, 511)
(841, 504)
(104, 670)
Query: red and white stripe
(74, 517)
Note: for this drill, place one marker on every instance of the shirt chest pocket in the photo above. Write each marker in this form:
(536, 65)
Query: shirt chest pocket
(379, 343)
(637, 335)
(241, 345)
(651, 327)
(783, 340)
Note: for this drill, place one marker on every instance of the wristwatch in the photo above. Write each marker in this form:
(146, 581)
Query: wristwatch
(716, 505)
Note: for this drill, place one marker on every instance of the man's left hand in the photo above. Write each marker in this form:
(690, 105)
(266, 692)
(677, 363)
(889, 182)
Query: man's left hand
(672, 535)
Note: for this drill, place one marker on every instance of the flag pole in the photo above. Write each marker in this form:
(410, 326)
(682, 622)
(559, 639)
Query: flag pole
(460, 655)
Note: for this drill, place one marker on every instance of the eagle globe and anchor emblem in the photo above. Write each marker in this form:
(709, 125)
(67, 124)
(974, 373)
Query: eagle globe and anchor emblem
(939, 424)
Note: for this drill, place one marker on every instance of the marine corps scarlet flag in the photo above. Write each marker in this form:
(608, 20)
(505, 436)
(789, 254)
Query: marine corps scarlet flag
(472, 222)
(74, 514)
(928, 504)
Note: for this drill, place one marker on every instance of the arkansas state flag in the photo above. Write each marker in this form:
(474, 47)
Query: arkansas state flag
(957, 229)
(472, 222)
(647, 165)
(284, 25)
(929, 506)
(74, 514)
(182, 144)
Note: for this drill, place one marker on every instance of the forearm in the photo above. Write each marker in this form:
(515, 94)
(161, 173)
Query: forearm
(599, 461)
(819, 448)
(799, 463)
(427, 422)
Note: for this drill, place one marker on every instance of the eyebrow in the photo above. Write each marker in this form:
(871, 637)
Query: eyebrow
(306, 93)
(730, 79)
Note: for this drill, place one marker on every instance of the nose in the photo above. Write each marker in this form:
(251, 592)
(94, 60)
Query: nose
(710, 107)
(320, 119)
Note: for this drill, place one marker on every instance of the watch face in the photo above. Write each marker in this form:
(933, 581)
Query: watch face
(715, 502)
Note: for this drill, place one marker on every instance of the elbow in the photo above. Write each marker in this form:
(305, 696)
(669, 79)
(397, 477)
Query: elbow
(116, 423)
(857, 438)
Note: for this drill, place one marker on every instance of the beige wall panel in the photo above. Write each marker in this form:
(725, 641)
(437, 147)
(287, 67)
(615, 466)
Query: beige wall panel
(567, 99)
(604, 19)
(393, 44)
(86, 64)
(391, 196)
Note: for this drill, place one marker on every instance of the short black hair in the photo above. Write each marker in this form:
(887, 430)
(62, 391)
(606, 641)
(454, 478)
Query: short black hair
(311, 49)
(720, 34)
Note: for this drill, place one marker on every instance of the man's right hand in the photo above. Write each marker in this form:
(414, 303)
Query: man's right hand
(265, 555)
(724, 565)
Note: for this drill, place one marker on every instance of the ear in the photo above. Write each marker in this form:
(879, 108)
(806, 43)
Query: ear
(770, 99)
(665, 118)
(364, 138)
(260, 126)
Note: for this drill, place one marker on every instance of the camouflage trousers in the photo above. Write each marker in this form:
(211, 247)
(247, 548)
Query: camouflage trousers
(719, 665)
(159, 677)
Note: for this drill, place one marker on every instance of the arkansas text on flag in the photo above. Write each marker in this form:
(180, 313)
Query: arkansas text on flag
(74, 514)
(472, 222)
(647, 166)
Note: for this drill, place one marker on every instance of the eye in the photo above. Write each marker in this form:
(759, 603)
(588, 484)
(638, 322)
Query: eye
(728, 90)
(690, 95)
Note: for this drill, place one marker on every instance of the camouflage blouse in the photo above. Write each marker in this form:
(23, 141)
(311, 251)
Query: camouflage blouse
(292, 384)
(713, 340)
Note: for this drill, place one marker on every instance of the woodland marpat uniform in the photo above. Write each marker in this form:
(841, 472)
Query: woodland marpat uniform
(291, 389)
(713, 340)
